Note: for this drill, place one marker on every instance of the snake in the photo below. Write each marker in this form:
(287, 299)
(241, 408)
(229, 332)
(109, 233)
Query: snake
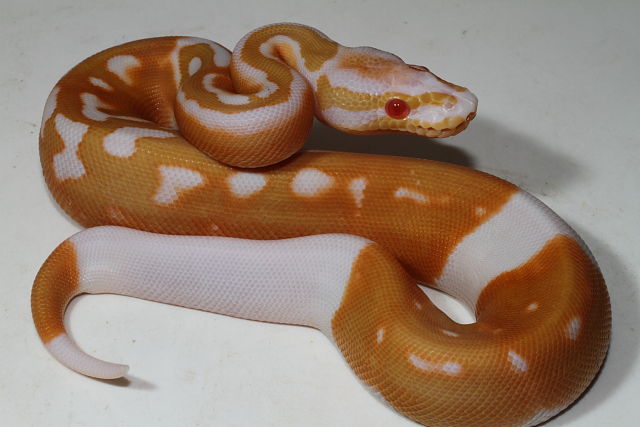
(183, 161)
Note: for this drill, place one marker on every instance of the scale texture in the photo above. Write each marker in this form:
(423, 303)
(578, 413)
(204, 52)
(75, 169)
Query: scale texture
(181, 137)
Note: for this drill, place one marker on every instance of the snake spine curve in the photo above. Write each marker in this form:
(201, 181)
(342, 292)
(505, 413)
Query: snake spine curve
(336, 241)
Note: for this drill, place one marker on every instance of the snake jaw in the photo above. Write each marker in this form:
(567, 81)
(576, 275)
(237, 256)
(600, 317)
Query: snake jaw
(442, 115)
(446, 132)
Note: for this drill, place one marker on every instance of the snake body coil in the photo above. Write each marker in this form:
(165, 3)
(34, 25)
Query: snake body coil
(129, 138)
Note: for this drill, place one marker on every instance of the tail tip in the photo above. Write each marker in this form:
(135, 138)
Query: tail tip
(67, 352)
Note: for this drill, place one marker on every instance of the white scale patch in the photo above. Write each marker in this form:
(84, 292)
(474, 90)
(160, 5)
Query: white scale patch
(267, 47)
(100, 83)
(518, 362)
(504, 242)
(267, 87)
(380, 335)
(221, 56)
(67, 164)
(122, 141)
(116, 214)
(405, 193)
(436, 113)
(91, 105)
(573, 328)
(311, 182)
(533, 306)
(257, 76)
(176, 180)
(223, 96)
(357, 187)
(122, 65)
(449, 368)
(406, 80)
(260, 119)
(245, 184)
(225, 275)
(67, 352)
(349, 78)
(450, 333)
(194, 65)
(350, 119)
(421, 363)
(49, 108)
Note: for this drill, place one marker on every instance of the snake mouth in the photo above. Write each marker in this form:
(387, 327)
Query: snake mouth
(446, 128)
(441, 132)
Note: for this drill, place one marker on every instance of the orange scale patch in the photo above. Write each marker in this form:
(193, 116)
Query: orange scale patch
(264, 147)
(205, 54)
(368, 66)
(314, 48)
(473, 375)
(536, 305)
(60, 268)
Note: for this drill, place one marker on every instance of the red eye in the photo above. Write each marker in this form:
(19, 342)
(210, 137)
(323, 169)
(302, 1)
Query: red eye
(397, 108)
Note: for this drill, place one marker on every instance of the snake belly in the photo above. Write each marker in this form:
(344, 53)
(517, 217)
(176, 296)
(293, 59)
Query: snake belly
(181, 158)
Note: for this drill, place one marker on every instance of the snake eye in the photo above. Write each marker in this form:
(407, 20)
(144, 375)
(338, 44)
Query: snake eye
(397, 108)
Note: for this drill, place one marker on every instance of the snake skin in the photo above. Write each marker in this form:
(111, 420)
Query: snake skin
(179, 136)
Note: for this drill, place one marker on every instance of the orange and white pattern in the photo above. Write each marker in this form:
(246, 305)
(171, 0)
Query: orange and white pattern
(179, 136)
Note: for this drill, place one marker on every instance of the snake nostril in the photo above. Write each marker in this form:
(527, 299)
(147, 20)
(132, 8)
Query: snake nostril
(418, 67)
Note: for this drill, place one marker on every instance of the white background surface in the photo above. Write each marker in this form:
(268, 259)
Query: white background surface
(559, 104)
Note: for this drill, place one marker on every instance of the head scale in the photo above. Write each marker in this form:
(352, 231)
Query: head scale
(372, 91)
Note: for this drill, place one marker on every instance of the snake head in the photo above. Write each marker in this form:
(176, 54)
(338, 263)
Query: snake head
(371, 91)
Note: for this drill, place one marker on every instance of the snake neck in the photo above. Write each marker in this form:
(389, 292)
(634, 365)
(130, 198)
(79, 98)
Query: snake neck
(264, 100)
(279, 51)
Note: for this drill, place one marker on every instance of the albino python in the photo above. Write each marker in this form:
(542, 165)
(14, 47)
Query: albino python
(129, 138)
